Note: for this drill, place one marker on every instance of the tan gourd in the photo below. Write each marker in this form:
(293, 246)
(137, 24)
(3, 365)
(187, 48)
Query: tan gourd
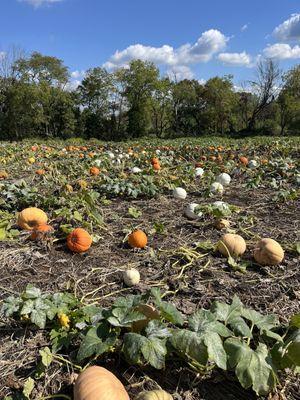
(268, 252)
(97, 383)
(232, 243)
(154, 395)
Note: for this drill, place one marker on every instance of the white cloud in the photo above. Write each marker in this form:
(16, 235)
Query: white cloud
(180, 72)
(72, 85)
(38, 3)
(282, 51)
(289, 29)
(244, 27)
(208, 44)
(78, 74)
(235, 59)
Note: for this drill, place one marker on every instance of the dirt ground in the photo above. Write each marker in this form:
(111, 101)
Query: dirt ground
(96, 277)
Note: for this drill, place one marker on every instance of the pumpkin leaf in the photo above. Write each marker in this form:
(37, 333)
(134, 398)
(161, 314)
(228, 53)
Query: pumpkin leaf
(253, 368)
(98, 340)
(167, 310)
(47, 356)
(123, 317)
(295, 321)
(134, 212)
(190, 344)
(28, 387)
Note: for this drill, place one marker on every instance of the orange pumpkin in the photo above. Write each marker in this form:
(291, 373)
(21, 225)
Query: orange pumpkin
(94, 171)
(3, 174)
(154, 160)
(244, 160)
(99, 383)
(40, 172)
(31, 217)
(137, 239)
(79, 240)
(41, 232)
(156, 166)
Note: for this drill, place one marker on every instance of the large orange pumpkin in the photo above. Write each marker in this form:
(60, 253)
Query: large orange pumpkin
(97, 383)
(79, 240)
(137, 239)
(31, 217)
(40, 232)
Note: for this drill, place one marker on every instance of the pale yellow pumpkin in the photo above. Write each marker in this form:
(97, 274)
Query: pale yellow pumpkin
(268, 252)
(232, 243)
(97, 383)
(154, 395)
(31, 217)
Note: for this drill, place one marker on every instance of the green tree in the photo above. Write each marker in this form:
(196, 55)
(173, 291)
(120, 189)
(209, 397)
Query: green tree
(140, 78)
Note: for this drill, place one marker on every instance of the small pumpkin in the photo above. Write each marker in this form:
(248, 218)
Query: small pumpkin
(3, 174)
(224, 179)
(41, 232)
(268, 252)
(79, 240)
(131, 277)
(222, 223)
(191, 211)
(244, 160)
(216, 187)
(156, 167)
(94, 171)
(31, 217)
(40, 172)
(253, 164)
(154, 395)
(31, 160)
(199, 172)
(99, 383)
(137, 239)
(232, 243)
(179, 193)
(154, 160)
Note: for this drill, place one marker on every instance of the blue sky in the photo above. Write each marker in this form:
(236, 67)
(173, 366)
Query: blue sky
(191, 38)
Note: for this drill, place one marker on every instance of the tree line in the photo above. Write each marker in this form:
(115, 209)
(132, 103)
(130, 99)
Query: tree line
(37, 100)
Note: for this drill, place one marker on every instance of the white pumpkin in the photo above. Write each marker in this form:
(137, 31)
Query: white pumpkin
(111, 155)
(253, 164)
(179, 193)
(157, 151)
(136, 170)
(131, 277)
(97, 163)
(199, 172)
(216, 187)
(224, 179)
(190, 211)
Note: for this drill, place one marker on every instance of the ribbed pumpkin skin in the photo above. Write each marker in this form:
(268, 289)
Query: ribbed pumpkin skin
(31, 217)
(79, 240)
(137, 239)
(154, 395)
(235, 244)
(268, 252)
(97, 383)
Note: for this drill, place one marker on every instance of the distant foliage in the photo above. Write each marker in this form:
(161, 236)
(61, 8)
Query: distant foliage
(37, 100)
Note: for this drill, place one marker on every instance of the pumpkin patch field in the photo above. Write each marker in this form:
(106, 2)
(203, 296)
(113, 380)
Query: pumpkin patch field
(150, 270)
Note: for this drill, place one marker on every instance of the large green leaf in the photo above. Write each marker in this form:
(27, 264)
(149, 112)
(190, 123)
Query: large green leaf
(215, 349)
(253, 368)
(190, 344)
(38, 317)
(98, 340)
(167, 310)
(152, 348)
(124, 318)
(205, 321)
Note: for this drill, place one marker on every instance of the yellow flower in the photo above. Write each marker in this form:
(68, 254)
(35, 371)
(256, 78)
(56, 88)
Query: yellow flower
(64, 320)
